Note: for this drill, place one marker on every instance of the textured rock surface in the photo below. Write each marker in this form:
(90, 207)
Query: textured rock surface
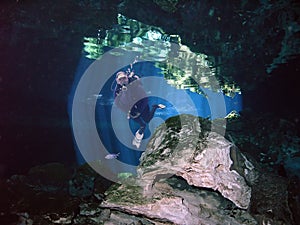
(202, 162)
(180, 171)
(175, 202)
(49, 195)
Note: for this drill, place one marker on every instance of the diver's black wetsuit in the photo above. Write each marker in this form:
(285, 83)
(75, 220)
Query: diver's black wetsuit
(132, 99)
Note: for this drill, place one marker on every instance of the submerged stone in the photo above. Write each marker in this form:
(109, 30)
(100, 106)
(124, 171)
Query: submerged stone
(202, 158)
(51, 177)
(172, 205)
(82, 182)
(188, 175)
(192, 175)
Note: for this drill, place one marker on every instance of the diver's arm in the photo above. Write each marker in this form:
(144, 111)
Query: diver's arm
(133, 76)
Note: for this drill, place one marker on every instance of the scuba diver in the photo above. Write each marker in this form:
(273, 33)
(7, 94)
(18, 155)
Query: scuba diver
(132, 99)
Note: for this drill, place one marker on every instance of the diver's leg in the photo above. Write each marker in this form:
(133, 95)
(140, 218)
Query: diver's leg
(142, 124)
(139, 133)
(148, 115)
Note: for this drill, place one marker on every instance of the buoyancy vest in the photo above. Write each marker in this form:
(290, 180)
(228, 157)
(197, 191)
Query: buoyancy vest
(131, 98)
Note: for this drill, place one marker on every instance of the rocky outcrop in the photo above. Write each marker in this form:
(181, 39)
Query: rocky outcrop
(188, 175)
(176, 202)
(210, 162)
(191, 175)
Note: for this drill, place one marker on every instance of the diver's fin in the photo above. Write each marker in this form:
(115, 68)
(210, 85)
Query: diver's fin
(161, 106)
(137, 139)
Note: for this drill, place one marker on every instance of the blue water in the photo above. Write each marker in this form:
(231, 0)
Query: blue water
(116, 132)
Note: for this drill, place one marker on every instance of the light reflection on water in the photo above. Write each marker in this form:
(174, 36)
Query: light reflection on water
(193, 71)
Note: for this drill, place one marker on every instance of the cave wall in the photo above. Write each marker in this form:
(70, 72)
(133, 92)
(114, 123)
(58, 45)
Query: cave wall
(255, 43)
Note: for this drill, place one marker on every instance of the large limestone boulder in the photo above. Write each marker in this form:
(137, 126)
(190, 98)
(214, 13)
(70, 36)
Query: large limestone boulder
(187, 175)
(170, 188)
(186, 147)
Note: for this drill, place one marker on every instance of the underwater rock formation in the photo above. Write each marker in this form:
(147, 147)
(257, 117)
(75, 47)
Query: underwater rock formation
(176, 202)
(178, 160)
(187, 175)
(210, 162)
